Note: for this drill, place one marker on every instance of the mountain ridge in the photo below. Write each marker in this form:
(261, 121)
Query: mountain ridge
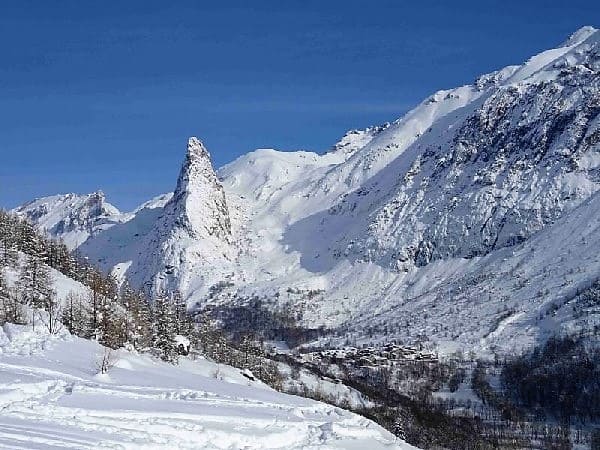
(390, 214)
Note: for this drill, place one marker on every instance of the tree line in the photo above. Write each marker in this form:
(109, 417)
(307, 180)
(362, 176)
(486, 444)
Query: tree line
(560, 378)
(116, 316)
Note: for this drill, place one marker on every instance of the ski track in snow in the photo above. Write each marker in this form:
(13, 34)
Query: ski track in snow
(51, 397)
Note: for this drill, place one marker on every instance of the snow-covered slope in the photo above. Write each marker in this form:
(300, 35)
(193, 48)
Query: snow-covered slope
(51, 396)
(392, 227)
(466, 173)
(510, 299)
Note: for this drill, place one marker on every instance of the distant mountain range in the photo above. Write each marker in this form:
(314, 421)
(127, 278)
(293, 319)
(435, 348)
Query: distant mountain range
(471, 222)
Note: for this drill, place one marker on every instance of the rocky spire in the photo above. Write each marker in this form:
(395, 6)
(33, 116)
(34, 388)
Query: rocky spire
(198, 202)
(196, 168)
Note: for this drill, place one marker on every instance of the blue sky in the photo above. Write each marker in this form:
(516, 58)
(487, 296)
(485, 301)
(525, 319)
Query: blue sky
(103, 95)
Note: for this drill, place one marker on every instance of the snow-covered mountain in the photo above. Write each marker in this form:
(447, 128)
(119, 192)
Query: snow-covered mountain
(72, 217)
(459, 223)
(191, 239)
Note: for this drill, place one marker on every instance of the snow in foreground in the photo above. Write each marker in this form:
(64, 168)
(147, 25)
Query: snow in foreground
(51, 396)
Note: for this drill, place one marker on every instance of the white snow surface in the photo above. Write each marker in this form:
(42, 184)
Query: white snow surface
(460, 223)
(51, 396)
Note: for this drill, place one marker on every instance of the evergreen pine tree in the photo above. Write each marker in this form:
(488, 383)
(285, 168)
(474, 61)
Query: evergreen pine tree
(75, 315)
(8, 241)
(29, 241)
(10, 309)
(103, 293)
(184, 322)
(247, 350)
(111, 324)
(209, 340)
(143, 320)
(3, 284)
(34, 284)
(138, 322)
(51, 320)
(164, 329)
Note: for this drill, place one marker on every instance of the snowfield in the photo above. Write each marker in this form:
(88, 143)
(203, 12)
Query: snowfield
(52, 396)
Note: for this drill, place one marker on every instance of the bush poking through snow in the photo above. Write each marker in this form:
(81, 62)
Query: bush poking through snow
(51, 317)
(106, 361)
(216, 374)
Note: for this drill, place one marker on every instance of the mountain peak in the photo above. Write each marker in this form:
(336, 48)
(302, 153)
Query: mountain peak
(580, 35)
(196, 148)
(193, 230)
(197, 168)
(71, 217)
(199, 197)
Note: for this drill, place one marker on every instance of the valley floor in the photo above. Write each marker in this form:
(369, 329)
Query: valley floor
(52, 396)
